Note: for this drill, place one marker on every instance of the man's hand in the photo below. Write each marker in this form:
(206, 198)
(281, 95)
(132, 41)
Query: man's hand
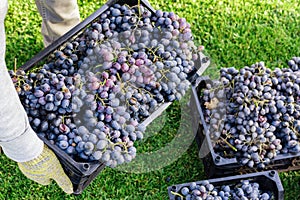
(44, 168)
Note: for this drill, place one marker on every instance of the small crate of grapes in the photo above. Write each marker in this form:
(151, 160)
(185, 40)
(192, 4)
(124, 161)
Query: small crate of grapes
(228, 145)
(91, 93)
(260, 185)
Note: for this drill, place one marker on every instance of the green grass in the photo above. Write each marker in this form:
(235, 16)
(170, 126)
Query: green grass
(235, 33)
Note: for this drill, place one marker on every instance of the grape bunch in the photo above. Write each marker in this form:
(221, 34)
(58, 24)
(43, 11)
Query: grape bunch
(253, 113)
(205, 190)
(90, 96)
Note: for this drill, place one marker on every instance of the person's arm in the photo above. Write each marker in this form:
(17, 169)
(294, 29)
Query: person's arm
(19, 142)
(17, 139)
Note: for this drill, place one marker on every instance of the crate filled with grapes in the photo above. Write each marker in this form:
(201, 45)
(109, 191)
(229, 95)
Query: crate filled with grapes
(91, 94)
(260, 185)
(249, 119)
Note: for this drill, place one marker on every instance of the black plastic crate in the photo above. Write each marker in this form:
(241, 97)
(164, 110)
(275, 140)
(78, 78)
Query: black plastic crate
(214, 164)
(82, 173)
(268, 181)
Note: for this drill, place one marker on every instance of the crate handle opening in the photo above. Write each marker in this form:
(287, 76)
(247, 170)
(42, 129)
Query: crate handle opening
(86, 166)
(217, 159)
(272, 173)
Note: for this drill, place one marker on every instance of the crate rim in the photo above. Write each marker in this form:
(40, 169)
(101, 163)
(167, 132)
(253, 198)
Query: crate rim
(270, 174)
